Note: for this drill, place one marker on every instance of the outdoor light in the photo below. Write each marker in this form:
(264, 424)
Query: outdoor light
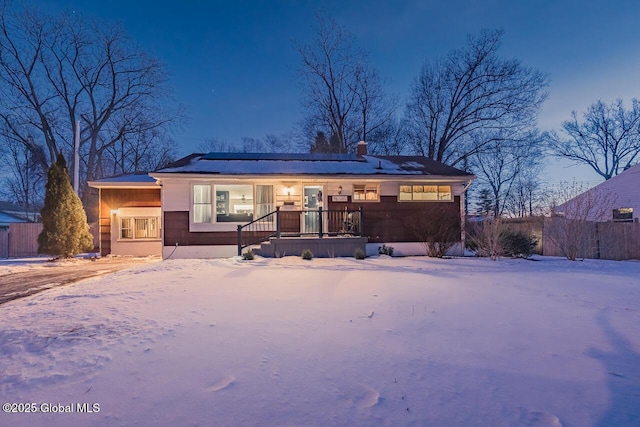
(340, 189)
(114, 211)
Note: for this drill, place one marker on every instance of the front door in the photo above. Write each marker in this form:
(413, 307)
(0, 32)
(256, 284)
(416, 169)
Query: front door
(313, 199)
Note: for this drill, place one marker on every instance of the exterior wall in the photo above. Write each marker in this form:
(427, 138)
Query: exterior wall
(134, 247)
(387, 220)
(190, 252)
(112, 199)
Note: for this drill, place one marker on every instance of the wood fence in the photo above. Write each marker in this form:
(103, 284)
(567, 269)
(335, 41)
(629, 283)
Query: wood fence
(4, 242)
(598, 240)
(23, 239)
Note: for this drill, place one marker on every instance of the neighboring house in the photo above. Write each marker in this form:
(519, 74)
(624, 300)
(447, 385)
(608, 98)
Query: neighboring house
(617, 199)
(13, 212)
(293, 199)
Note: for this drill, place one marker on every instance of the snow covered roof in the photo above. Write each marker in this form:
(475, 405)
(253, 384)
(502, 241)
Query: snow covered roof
(6, 219)
(141, 179)
(309, 164)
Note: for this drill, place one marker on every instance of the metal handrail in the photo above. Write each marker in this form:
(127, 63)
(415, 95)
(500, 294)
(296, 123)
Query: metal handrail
(326, 223)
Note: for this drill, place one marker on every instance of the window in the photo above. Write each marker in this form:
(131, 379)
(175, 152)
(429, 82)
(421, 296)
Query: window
(425, 192)
(264, 201)
(140, 228)
(234, 203)
(623, 214)
(365, 192)
(201, 203)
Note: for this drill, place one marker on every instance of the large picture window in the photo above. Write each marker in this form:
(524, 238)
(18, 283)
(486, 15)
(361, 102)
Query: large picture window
(234, 203)
(425, 193)
(201, 203)
(139, 228)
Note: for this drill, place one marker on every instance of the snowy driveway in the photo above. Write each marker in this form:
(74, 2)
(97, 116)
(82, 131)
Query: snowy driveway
(20, 278)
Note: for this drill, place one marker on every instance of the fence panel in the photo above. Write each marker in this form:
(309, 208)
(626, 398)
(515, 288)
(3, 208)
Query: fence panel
(619, 240)
(23, 239)
(4, 242)
(603, 240)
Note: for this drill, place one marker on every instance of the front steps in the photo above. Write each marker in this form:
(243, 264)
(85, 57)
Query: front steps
(327, 247)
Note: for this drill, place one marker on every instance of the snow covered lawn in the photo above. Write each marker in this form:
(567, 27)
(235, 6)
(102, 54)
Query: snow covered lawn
(331, 342)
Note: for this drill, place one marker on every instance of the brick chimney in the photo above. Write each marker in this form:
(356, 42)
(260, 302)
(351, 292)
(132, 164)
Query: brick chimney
(361, 149)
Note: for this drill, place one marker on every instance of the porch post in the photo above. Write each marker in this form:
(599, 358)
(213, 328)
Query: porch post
(361, 221)
(320, 222)
(239, 240)
(277, 222)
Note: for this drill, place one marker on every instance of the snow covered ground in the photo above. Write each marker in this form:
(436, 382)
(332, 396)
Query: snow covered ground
(330, 342)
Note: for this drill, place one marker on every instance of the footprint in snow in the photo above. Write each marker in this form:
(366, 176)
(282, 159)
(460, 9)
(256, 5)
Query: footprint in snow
(540, 419)
(221, 384)
(369, 399)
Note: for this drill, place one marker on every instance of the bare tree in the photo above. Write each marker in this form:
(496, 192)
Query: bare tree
(55, 71)
(525, 199)
(24, 178)
(343, 94)
(501, 163)
(608, 140)
(472, 90)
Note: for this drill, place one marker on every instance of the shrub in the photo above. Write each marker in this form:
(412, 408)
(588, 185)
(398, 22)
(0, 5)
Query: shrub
(484, 238)
(359, 254)
(307, 254)
(248, 256)
(385, 250)
(437, 227)
(517, 244)
(65, 232)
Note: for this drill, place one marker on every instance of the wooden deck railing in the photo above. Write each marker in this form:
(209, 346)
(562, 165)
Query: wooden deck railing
(288, 223)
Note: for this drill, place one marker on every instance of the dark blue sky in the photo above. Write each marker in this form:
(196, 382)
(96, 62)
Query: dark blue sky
(232, 63)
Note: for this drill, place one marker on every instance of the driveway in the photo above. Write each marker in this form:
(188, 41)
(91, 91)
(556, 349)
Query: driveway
(51, 274)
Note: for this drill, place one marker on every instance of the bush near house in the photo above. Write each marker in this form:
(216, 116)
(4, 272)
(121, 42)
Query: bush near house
(437, 227)
(307, 254)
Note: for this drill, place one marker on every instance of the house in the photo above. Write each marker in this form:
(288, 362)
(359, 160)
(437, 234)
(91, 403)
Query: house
(617, 199)
(10, 212)
(215, 204)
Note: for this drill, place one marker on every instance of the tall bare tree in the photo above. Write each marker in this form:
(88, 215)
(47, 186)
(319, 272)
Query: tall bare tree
(607, 140)
(23, 178)
(55, 71)
(503, 163)
(470, 91)
(343, 95)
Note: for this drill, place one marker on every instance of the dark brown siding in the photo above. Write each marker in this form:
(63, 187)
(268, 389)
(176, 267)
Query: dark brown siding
(115, 198)
(176, 230)
(390, 220)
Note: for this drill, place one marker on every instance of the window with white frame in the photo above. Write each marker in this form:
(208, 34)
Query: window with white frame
(201, 203)
(425, 192)
(365, 192)
(139, 228)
